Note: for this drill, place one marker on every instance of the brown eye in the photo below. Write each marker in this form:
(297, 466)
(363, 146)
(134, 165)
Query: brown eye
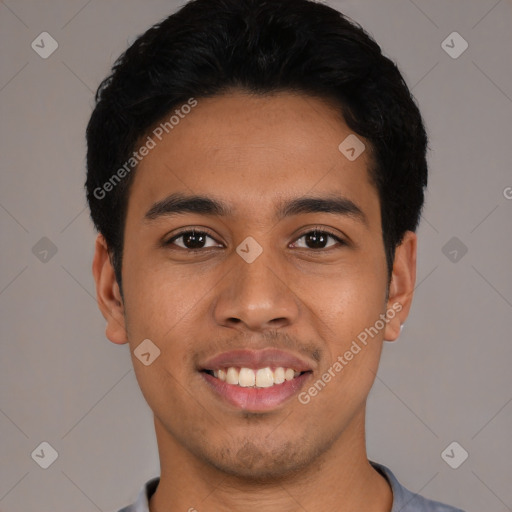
(318, 239)
(192, 240)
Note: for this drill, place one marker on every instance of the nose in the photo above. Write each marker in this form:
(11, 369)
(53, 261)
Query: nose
(256, 296)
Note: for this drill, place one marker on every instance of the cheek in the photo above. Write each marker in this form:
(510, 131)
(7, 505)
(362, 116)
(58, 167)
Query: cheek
(348, 300)
(168, 307)
(348, 307)
(348, 371)
(162, 308)
(160, 298)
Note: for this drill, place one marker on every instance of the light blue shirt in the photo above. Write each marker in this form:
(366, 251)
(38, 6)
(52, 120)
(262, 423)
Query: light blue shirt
(403, 500)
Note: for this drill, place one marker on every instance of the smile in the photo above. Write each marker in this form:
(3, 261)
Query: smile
(255, 380)
(259, 378)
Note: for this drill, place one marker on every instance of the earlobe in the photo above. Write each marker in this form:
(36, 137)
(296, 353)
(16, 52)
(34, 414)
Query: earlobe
(401, 288)
(108, 293)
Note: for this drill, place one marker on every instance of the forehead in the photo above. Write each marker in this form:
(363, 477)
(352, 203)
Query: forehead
(255, 151)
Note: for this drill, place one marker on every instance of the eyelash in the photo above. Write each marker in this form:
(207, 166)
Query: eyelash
(318, 231)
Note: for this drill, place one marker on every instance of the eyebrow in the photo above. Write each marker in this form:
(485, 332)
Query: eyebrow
(177, 203)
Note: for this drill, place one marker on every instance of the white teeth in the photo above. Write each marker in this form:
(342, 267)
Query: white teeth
(232, 376)
(264, 378)
(279, 375)
(246, 377)
(261, 378)
(289, 374)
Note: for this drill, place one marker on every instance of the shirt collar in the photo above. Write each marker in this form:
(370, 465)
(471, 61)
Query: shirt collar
(401, 496)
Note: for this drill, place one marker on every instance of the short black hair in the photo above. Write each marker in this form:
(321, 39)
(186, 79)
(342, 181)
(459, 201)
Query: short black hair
(209, 47)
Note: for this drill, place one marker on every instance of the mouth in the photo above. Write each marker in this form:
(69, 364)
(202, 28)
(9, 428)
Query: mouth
(255, 378)
(256, 381)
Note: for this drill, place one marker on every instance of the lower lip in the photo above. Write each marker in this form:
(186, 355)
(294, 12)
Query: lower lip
(256, 399)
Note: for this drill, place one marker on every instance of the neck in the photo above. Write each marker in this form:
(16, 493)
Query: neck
(340, 480)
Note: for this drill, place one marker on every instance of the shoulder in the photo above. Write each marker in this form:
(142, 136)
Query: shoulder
(417, 503)
(145, 493)
(407, 501)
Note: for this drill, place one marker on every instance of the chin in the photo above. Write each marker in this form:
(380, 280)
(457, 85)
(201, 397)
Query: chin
(264, 463)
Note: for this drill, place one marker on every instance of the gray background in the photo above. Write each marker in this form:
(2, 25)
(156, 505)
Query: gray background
(446, 379)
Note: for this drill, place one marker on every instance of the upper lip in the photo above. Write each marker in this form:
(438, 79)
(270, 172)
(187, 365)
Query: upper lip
(246, 358)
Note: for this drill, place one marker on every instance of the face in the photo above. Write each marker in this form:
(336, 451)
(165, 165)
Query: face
(253, 259)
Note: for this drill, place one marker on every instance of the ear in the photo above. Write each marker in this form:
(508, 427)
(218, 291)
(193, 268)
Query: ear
(401, 287)
(108, 294)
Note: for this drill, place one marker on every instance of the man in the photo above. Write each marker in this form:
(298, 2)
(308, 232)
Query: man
(256, 172)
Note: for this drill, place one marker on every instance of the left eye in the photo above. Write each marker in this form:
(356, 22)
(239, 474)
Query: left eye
(318, 239)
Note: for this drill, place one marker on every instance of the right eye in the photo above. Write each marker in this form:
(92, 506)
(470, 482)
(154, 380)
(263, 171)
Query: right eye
(191, 240)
